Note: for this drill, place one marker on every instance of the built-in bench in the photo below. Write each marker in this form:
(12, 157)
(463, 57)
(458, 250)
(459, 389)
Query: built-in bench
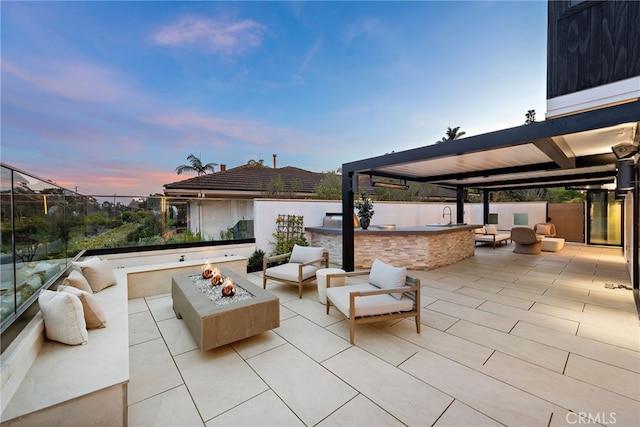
(49, 383)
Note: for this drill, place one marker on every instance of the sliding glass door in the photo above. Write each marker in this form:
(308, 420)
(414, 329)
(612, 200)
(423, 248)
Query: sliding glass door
(605, 219)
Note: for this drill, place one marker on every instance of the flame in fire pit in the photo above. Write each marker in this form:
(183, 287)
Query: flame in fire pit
(207, 272)
(228, 288)
(216, 277)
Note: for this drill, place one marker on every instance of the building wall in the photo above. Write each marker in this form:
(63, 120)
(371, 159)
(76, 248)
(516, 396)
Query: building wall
(591, 44)
(628, 232)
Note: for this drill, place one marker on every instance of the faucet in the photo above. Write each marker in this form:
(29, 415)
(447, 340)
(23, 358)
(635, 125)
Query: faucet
(443, 214)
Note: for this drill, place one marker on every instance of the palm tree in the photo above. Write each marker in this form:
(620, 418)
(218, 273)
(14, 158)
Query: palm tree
(451, 134)
(531, 117)
(196, 166)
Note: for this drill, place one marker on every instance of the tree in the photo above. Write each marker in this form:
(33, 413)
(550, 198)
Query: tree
(530, 117)
(196, 166)
(451, 134)
(329, 187)
(277, 188)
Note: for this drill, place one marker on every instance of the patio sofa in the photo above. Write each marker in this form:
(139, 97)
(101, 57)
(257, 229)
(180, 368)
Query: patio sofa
(48, 382)
(490, 234)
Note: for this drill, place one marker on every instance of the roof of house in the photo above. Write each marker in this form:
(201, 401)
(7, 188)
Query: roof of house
(246, 180)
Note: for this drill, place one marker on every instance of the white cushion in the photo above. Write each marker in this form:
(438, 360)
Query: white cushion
(99, 275)
(304, 254)
(77, 280)
(63, 317)
(543, 229)
(387, 276)
(94, 316)
(77, 265)
(289, 271)
(370, 305)
(481, 230)
(491, 229)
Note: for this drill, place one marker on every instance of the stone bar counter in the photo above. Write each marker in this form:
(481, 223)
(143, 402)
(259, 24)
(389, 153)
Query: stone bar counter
(422, 247)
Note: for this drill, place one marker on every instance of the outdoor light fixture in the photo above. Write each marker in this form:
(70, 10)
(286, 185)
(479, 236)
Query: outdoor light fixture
(624, 178)
(622, 151)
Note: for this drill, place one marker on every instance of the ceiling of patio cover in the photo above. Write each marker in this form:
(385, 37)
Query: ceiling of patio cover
(573, 150)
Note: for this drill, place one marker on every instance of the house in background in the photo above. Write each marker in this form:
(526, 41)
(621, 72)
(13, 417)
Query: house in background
(210, 204)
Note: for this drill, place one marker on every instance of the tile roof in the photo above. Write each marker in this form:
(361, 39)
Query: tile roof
(249, 178)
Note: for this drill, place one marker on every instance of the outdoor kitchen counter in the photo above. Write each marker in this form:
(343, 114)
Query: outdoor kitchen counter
(418, 248)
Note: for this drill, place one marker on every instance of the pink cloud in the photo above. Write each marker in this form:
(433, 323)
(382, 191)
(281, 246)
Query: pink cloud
(74, 80)
(103, 177)
(249, 131)
(218, 36)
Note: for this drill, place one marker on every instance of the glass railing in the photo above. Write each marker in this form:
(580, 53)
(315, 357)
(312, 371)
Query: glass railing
(44, 226)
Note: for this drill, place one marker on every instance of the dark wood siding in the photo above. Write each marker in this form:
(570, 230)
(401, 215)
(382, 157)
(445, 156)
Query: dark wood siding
(591, 44)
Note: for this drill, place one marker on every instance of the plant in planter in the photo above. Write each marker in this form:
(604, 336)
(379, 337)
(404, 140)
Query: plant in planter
(364, 206)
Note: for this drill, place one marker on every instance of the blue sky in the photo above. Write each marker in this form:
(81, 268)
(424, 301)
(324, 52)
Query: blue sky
(112, 96)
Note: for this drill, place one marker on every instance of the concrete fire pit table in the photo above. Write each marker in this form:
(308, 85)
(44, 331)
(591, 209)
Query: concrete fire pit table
(213, 325)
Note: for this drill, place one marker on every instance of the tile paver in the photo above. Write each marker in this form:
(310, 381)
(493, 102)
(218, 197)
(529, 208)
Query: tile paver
(507, 339)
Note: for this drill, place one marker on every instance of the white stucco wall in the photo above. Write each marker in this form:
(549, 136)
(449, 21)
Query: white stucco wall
(402, 214)
(537, 212)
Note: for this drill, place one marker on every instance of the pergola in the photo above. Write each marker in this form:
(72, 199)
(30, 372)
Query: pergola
(573, 150)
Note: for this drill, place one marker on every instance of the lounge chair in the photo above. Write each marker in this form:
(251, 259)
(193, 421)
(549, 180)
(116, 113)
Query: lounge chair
(388, 294)
(300, 268)
(527, 241)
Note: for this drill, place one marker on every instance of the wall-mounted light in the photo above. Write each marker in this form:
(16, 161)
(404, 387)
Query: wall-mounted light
(623, 151)
(625, 176)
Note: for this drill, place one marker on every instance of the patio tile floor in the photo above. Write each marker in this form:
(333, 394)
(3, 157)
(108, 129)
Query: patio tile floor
(506, 339)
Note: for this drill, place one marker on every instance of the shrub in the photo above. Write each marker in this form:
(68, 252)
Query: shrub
(255, 261)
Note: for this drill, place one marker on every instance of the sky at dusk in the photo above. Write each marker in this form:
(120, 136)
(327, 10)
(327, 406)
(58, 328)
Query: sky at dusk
(110, 97)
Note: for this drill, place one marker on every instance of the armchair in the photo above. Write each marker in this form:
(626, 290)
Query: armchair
(300, 268)
(388, 294)
(545, 229)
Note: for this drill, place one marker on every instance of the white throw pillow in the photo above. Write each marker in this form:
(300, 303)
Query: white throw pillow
(94, 317)
(543, 229)
(491, 229)
(387, 276)
(304, 254)
(63, 317)
(99, 275)
(77, 265)
(77, 280)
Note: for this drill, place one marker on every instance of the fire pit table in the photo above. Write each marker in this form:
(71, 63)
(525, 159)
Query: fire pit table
(216, 321)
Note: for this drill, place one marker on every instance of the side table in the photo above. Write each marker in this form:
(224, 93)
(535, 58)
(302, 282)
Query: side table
(321, 278)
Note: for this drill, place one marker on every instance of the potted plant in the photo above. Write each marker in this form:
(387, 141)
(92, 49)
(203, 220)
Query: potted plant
(364, 206)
